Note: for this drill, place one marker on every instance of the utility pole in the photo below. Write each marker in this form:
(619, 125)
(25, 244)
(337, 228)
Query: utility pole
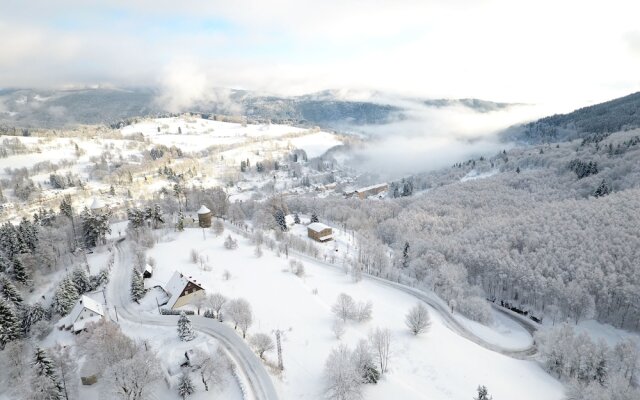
(279, 345)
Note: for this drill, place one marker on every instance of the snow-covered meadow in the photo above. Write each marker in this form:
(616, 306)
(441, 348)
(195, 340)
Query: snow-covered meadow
(438, 364)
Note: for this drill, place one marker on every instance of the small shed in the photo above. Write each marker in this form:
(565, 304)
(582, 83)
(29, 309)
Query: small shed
(148, 271)
(204, 217)
(319, 232)
(182, 290)
(97, 206)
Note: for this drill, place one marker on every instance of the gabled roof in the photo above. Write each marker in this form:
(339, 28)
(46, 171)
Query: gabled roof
(97, 204)
(176, 285)
(84, 302)
(203, 210)
(318, 226)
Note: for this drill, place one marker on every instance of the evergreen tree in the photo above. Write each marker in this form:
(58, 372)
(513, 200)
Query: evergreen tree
(5, 263)
(9, 242)
(180, 223)
(65, 296)
(155, 216)
(66, 209)
(370, 373)
(483, 394)
(9, 325)
(19, 271)
(9, 291)
(185, 330)
(136, 217)
(28, 235)
(405, 255)
(602, 190)
(314, 217)
(517, 170)
(112, 190)
(280, 220)
(81, 280)
(31, 315)
(296, 218)
(95, 227)
(44, 368)
(137, 286)
(185, 386)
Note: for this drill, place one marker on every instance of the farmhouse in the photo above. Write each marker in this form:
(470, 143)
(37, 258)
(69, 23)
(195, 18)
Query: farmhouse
(319, 232)
(365, 192)
(85, 311)
(182, 290)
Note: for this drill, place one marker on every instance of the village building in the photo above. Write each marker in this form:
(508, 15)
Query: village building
(204, 217)
(98, 206)
(182, 290)
(85, 311)
(368, 191)
(319, 232)
(148, 271)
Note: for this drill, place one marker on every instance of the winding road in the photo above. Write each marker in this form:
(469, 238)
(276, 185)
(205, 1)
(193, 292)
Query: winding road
(249, 367)
(452, 323)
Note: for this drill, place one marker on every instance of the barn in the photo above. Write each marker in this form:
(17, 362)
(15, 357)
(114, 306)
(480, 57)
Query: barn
(319, 232)
(182, 290)
(85, 311)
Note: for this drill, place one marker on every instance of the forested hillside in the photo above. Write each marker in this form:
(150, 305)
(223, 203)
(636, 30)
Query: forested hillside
(600, 119)
(552, 228)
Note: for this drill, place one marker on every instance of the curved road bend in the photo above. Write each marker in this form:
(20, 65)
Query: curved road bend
(260, 386)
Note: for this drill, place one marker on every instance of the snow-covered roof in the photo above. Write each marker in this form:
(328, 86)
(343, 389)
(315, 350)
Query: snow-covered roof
(318, 226)
(378, 186)
(148, 268)
(97, 204)
(176, 285)
(84, 302)
(326, 237)
(203, 210)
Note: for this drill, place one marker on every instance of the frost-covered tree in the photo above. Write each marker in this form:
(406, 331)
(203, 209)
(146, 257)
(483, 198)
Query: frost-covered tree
(130, 378)
(95, 227)
(9, 324)
(20, 271)
(280, 220)
(363, 361)
(65, 296)
(9, 291)
(230, 243)
(31, 315)
(405, 255)
(46, 382)
(296, 218)
(239, 312)
(380, 343)
(185, 330)
(314, 218)
(483, 394)
(81, 280)
(213, 368)
(602, 190)
(261, 343)
(218, 227)
(216, 302)
(180, 223)
(342, 379)
(418, 320)
(67, 368)
(137, 286)
(185, 386)
(338, 328)
(344, 308)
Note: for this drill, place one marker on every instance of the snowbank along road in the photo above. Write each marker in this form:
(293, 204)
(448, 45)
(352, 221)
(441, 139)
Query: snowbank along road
(250, 369)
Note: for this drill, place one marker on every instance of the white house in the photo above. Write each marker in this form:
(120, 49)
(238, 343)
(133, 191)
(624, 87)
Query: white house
(85, 311)
(182, 290)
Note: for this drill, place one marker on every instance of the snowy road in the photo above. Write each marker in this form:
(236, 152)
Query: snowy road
(258, 383)
(450, 321)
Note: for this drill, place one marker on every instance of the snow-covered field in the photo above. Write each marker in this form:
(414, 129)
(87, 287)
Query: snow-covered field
(437, 365)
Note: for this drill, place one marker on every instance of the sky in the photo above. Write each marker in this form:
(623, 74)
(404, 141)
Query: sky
(562, 54)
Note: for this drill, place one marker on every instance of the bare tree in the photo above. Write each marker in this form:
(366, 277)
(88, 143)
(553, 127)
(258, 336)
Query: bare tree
(67, 368)
(338, 328)
(218, 227)
(380, 341)
(213, 368)
(344, 307)
(129, 379)
(262, 343)
(239, 311)
(216, 301)
(418, 320)
(363, 311)
(342, 378)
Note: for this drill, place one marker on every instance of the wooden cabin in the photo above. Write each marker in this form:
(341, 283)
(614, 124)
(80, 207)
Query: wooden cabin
(319, 232)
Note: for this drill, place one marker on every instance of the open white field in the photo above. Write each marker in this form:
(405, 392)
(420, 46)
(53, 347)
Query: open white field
(437, 365)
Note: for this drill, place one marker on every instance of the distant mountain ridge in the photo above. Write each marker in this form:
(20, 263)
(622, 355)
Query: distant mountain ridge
(332, 109)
